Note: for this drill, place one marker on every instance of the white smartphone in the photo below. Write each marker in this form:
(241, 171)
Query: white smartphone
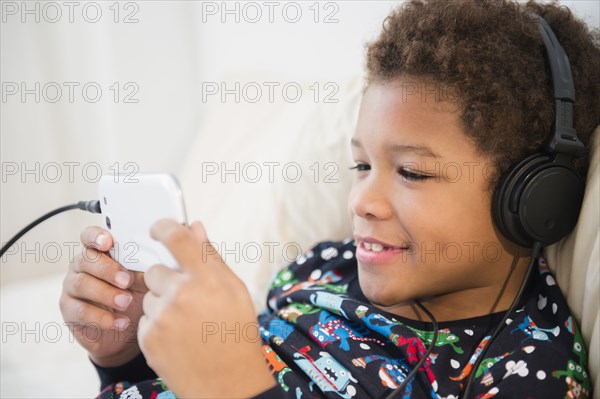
(130, 205)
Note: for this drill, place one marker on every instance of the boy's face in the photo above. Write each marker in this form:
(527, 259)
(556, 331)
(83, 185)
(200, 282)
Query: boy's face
(438, 234)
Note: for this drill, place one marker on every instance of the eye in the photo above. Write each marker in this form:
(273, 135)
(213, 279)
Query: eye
(413, 176)
(360, 167)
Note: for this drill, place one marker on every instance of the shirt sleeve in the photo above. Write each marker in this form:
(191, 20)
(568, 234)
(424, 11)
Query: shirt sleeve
(134, 371)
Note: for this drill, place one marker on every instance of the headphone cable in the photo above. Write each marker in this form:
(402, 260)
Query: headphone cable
(537, 248)
(400, 390)
(90, 206)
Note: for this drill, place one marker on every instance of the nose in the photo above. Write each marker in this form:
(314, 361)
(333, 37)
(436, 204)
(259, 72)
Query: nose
(370, 199)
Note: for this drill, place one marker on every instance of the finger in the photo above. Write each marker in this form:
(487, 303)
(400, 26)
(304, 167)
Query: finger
(180, 241)
(96, 237)
(152, 305)
(82, 314)
(159, 279)
(103, 267)
(143, 326)
(139, 285)
(89, 288)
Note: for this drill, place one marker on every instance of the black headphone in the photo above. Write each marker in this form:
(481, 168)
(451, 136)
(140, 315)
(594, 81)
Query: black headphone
(540, 197)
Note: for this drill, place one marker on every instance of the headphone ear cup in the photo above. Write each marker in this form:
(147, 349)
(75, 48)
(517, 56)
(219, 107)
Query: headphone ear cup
(539, 200)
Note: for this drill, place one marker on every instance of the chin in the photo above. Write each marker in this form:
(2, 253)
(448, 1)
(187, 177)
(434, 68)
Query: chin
(376, 291)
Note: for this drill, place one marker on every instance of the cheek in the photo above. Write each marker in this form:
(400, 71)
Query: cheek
(457, 211)
(452, 229)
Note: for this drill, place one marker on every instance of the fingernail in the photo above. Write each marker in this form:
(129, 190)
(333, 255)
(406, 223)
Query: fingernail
(123, 300)
(122, 278)
(121, 324)
(101, 239)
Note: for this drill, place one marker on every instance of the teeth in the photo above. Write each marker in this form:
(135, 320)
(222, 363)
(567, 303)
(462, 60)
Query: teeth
(373, 247)
(376, 247)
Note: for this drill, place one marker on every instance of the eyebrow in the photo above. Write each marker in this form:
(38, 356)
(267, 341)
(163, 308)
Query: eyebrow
(418, 149)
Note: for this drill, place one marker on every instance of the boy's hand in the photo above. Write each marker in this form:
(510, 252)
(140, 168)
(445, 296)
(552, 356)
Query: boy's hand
(101, 302)
(199, 330)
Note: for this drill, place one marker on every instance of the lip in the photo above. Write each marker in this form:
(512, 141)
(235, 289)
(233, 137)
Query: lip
(390, 254)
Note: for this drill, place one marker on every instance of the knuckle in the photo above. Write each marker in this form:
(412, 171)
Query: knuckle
(177, 237)
(78, 282)
(88, 235)
(88, 255)
(81, 312)
(104, 267)
(63, 303)
(75, 262)
(105, 321)
(182, 291)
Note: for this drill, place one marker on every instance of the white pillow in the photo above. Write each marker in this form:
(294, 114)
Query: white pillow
(576, 263)
(261, 223)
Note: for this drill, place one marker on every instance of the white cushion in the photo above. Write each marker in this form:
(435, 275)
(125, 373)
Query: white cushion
(576, 263)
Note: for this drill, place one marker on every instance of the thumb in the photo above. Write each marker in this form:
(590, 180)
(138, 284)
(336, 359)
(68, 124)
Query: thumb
(208, 250)
(210, 255)
(189, 247)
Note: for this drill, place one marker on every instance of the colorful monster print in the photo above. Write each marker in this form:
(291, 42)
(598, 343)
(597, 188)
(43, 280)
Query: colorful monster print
(576, 376)
(295, 310)
(278, 330)
(166, 395)
(316, 281)
(328, 301)
(578, 345)
(331, 329)
(467, 370)
(376, 322)
(532, 331)
(484, 368)
(414, 347)
(392, 372)
(132, 392)
(120, 387)
(445, 337)
(159, 383)
(285, 276)
(276, 365)
(326, 373)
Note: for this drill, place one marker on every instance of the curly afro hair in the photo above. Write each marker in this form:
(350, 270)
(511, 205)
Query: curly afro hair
(492, 54)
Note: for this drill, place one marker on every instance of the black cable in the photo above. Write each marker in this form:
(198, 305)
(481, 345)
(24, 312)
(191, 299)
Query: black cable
(537, 247)
(400, 390)
(90, 206)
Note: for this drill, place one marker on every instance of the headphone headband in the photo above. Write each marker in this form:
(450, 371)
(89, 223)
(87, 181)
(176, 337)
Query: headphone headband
(564, 137)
